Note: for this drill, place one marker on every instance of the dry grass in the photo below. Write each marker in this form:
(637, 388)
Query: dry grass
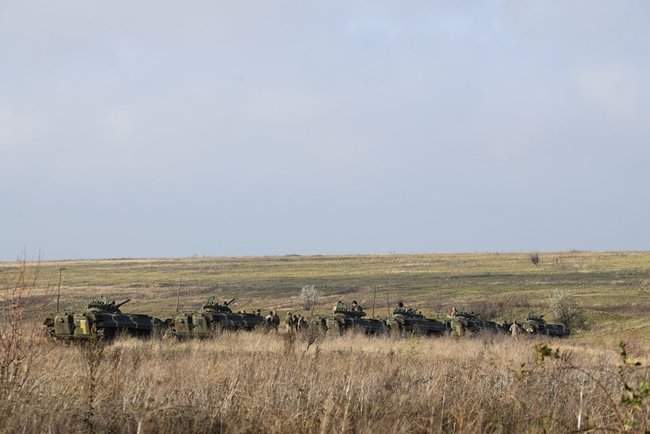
(275, 383)
(268, 383)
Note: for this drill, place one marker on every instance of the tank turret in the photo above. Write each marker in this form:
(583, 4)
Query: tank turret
(102, 304)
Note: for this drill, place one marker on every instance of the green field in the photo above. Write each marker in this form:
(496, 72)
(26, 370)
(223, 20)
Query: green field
(612, 287)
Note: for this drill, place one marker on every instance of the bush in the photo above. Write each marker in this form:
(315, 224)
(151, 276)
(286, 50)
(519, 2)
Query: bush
(310, 296)
(566, 310)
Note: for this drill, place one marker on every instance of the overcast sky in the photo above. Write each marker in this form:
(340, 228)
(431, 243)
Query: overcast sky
(154, 128)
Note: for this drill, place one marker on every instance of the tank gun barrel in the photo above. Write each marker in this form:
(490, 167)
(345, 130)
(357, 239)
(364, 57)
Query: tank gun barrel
(118, 305)
(229, 302)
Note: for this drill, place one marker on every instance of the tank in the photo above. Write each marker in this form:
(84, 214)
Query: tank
(213, 318)
(409, 322)
(345, 320)
(537, 325)
(102, 320)
(461, 323)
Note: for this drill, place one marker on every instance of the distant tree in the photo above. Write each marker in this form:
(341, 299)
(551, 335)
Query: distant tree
(310, 296)
(534, 258)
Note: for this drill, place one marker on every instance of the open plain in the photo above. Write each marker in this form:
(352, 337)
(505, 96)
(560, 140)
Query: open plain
(278, 383)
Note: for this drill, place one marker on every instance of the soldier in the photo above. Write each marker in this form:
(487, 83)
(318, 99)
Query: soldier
(295, 322)
(400, 308)
(276, 321)
(269, 320)
(289, 322)
(340, 307)
(271, 323)
(356, 307)
(515, 330)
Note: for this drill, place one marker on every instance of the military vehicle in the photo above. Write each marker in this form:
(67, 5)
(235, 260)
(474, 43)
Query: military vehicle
(461, 323)
(213, 318)
(102, 320)
(409, 322)
(345, 320)
(537, 325)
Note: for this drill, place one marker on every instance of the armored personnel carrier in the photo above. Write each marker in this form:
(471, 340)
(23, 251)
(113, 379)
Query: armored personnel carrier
(410, 322)
(537, 325)
(213, 317)
(345, 320)
(461, 323)
(101, 320)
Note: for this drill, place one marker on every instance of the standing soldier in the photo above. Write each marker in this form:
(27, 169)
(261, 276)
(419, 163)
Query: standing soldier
(276, 321)
(269, 320)
(515, 330)
(289, 322)
(302, 323)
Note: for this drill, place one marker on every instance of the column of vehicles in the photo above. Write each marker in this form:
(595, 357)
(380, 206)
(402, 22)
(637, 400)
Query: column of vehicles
(104, 320)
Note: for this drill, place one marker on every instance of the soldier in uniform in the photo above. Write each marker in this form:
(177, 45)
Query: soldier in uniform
(400, 308)
(289, 322)
(515, 330)
(302, 323)
(356, 307)
(276, 321)
(269, 320)
(340, 307)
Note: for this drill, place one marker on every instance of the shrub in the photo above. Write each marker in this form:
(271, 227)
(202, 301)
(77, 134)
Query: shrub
(310, 296)
(566, 310)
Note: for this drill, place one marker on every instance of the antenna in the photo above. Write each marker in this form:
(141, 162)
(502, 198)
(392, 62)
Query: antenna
(58, 291)
(374, 300)
(178, 295)
(388, 302)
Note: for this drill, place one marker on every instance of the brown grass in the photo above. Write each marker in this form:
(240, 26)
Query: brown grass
(273, 383)
(241, 383)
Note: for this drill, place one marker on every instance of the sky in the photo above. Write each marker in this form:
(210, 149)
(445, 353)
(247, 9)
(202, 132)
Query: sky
(159, 128)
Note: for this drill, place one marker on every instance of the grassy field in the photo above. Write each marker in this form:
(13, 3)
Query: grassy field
(612, 287)
(283, 383)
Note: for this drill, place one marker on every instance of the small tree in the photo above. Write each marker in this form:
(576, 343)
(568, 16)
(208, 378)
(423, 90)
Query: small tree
(310, 296)
(566, 310)
(534, 258)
